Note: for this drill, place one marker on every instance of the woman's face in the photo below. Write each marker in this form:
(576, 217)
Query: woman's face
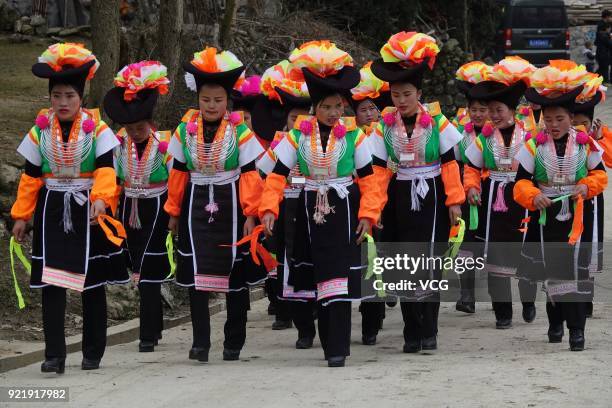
(558, 121)
(293, 115)
(580, 119)
(213, 102)
(405, 98)
(65, 102)
(366, 113)
(139, 131)
(330, 110)
(479, 113)
(500, 114)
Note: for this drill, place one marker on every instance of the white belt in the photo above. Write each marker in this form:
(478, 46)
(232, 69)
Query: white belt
(145, 192)
(419, 176)
(220, 178)
(322, 207)
(217, 179)
(72, 188)
(292, 192)
(556, 191)
(502, 176)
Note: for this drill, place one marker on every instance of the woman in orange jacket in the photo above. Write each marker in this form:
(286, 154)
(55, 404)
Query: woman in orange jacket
(68, 185)
(560, 172)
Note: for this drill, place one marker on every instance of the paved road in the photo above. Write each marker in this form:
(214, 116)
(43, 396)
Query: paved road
(476, 365)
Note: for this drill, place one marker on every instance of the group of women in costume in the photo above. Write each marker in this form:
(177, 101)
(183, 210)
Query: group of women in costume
(278, 156)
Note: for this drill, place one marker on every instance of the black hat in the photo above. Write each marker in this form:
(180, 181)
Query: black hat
(340, 82)
(268, 117)
(393, 72)
(73, 76)
(588, 107)
(242, 102)
(566, 99)
(291, 101)
(226, 79)
(509, 95)
(124, 112)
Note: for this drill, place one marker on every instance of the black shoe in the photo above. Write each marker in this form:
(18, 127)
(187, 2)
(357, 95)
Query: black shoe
(90, 364)
(337, 361)
(412, 346)
(589, 309)
(304, 343)
(429, 343)
(576, 339)
(503, 324)
(391, 303)
(199, 353)
(146, 346)
(465, 307)
(555, 333)
(53, 365)
(529, 313)
(368, 340)
(281, 324)
(231, 355)
(271, 309)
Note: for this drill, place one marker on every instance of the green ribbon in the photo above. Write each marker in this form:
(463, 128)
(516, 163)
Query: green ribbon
(473, 217)
(542, 219)
(371, 246)
(455, 244)
(16, 249)
(170, 249)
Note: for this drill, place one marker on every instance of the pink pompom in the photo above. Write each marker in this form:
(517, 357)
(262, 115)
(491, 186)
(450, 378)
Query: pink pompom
(234, 118)
(42, 121)
(469, 127)
(339, 131)
(389, 119)
(274, 144)
(541, 138)
(528, 136)
(88, 126)
(425, 120)
(524, 111)
(487, 130)
(162, 147)
(192, 128)
(582, 138)
(306, 127)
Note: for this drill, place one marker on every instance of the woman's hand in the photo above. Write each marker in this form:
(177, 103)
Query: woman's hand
(98, 208)
(173, 224)
(249, 225)
(541, 202)
(474, 196)
(268, 222)
(581, 190)
(363, 228)
(19, 230)
(454, 213)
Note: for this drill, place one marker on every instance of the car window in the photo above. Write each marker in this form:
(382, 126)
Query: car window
(538, 17)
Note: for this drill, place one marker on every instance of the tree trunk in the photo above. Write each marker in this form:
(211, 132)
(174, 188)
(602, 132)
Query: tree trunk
(106, 45)
(226, 25)
(169, 49)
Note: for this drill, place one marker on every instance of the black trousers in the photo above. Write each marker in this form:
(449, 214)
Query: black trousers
(151, 311)
(420, 319)
(372, 315)
(237, 306)
(604, 66)
(302, 314)
(500, 290)
(334, 321)
(468, 283)
(94, 322)
(573, 313)
(283, 309)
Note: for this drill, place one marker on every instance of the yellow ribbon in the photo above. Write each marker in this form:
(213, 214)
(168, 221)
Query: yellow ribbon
(170, 249)
(16, 249)
(455, 240)
(371, 256)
